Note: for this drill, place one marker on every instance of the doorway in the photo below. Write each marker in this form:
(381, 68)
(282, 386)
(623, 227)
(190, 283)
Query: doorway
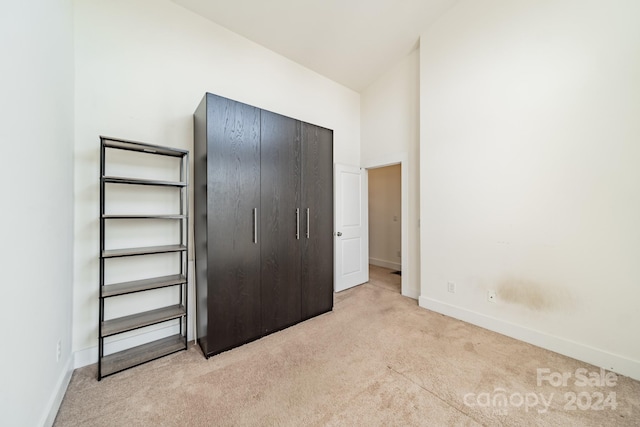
(385, 226)
(399, 160)
(358, 198)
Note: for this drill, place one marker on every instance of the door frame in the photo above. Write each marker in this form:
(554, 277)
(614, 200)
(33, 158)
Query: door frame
(401, 158)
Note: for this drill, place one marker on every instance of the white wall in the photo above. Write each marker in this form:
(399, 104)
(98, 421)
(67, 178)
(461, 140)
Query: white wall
(530, 184)
(385, 218)
(390, 131)
(141, 69)
(36, 107)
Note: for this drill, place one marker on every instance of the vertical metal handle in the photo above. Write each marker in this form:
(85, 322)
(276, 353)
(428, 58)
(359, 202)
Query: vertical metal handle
(297, 223)
(255, 225)
(307, 223)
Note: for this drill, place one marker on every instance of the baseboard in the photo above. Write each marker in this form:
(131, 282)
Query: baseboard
(85, 357)
(56, 398)
(386, 264)
(411, 293)
(585, 353)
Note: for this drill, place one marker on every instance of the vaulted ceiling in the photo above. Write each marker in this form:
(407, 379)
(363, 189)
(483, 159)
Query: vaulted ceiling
(349, 41)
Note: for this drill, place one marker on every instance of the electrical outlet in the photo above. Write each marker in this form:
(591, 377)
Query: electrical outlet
(491, 296)
(58, 351)
(451, 287)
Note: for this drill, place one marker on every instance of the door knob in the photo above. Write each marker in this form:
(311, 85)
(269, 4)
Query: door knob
(339, 233)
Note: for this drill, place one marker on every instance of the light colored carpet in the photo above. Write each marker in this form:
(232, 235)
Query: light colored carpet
(377, 359)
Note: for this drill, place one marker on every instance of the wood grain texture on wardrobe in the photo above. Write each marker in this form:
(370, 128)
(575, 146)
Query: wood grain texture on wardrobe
(280, 221)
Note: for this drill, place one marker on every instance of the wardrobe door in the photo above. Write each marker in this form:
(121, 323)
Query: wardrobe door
(317, 210)
(233, 197)
(280, 221)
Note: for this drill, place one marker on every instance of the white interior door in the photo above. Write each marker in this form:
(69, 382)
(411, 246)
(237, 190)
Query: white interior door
(352, 229)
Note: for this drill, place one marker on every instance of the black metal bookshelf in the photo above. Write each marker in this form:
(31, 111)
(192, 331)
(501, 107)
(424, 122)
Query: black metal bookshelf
(117, 361)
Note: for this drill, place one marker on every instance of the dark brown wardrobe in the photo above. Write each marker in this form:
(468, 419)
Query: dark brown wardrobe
(263, 198)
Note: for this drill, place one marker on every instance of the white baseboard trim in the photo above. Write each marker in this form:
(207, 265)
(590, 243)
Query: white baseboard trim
(412, 293)
(386, 264)
(56, 398)
(85, 357)
(585, 353)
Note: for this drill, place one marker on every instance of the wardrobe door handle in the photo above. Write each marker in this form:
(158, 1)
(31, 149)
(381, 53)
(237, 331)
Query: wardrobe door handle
(297, 223)
(307, 223)
(255, 225)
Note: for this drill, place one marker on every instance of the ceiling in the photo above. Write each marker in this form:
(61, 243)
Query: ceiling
(349, 41)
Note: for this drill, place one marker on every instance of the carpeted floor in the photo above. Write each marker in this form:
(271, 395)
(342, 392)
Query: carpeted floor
(377, 359)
